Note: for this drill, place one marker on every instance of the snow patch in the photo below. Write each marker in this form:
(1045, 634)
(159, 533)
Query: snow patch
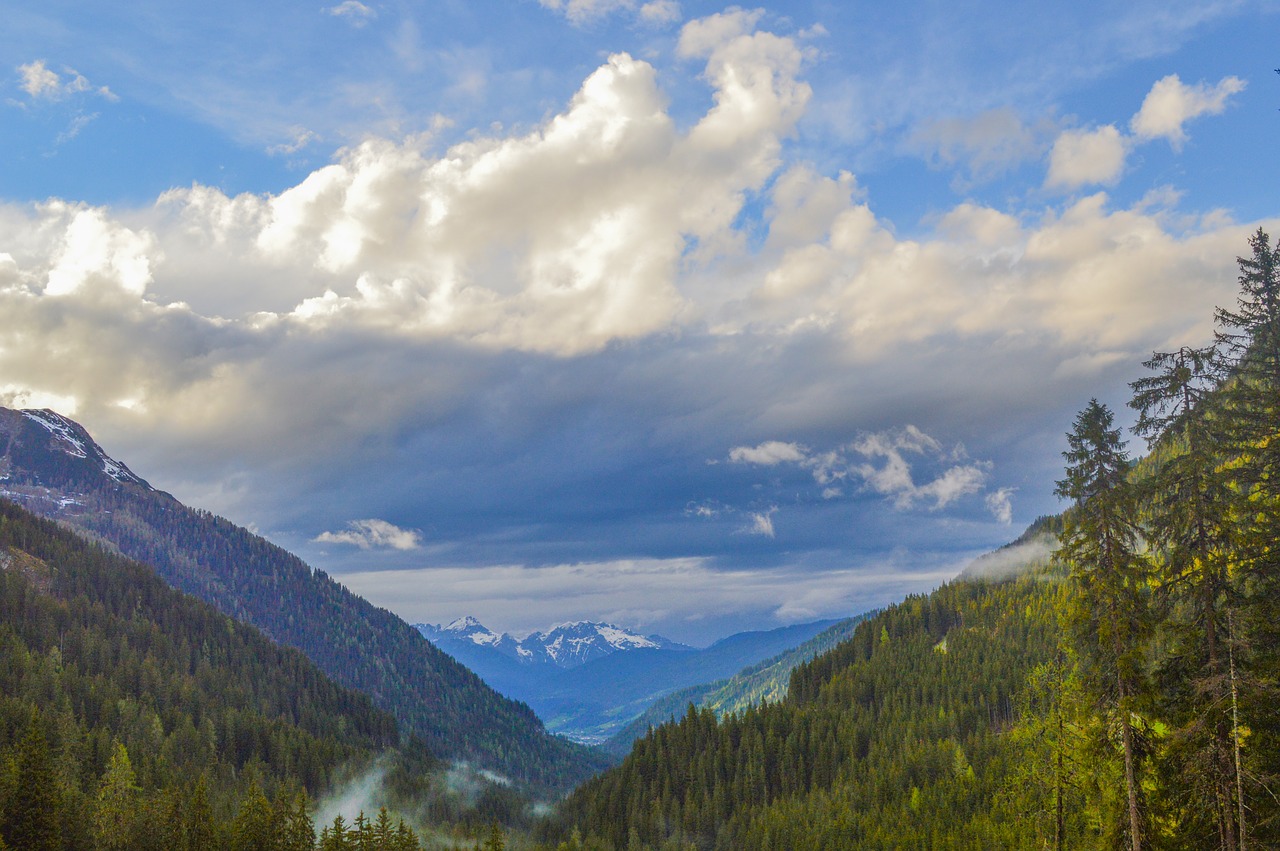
(60, 428)
(66, 431)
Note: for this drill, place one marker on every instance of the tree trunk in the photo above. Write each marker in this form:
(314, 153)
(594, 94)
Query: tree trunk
(1130, 772)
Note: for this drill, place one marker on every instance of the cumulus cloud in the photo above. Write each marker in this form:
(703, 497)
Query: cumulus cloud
(1082, 157)
(1171, 103)
(40, 82)
(769, 453)
(888, 470)
(1097, 156)
(560, 240)
(373, 534)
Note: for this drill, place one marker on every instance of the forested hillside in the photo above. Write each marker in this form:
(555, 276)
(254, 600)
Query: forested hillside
(1121, 696)
(134, 716)
(53, 467)
(765, 681)
(874, 745)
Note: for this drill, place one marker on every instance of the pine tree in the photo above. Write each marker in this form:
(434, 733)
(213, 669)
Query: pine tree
(254, 828)
(293, 821)
(336, 837)
(496, 840)
(1188, 500)
(1249, 338)
(115, 815)
(32, 822)
(406, 839)
(201, 830)
(1109, 621)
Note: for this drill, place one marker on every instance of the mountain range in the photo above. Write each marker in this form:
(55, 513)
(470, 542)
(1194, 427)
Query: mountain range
(587, 680)
(567, 645)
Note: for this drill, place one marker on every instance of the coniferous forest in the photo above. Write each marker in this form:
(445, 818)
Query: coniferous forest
(1119, 693)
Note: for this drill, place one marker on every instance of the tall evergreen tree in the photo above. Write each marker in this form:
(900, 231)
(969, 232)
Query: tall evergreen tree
(118, 804)
(1188, 501)
(1249, 339)
(32, 820)
(201, 830)
(296, 831)
(254, 828)
(1109, 621)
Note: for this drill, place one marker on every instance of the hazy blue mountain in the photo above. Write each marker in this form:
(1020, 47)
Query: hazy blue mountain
(588, 680)
(567, 645)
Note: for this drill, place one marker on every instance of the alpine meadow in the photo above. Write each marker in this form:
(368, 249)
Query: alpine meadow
(639, 425)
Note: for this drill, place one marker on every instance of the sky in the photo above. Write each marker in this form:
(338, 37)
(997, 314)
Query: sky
(690, 317)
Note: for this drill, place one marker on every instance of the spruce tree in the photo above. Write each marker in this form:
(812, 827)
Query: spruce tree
(32, 822)
(293, 822)
(1109, 620)
(116, 813)
(1188, 501)
(1249, 339)
(254, 828)
(201, 830)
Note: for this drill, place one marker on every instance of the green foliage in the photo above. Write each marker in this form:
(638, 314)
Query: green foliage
(764, 681)
(1109, 620)
(121, 698)
(118, 812)
(835, 763)
(31, 815)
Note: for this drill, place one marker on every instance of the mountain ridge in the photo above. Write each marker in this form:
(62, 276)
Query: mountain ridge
(565, 645)
(51, 465)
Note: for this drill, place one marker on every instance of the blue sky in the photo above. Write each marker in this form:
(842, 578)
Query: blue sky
(696, 318)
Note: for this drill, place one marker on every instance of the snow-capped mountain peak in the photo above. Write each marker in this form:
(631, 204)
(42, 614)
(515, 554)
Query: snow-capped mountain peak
(77, 443)
(571, 644)
(565, 645)
(468, 628)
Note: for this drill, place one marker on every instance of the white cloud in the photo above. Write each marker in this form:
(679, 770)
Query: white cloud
(373, 534)
(1082, 157)
(1170, 104)
(670, 596)
(1000, 504)
(768, 453)
(38, 81)
(584, 11)
(96, 253)
(354, 11)
(887, 470)
(893, 476)
(660, 12)
(986, 145)
(301, 138)
(761, 523)
(560, 240)
(42, 83)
